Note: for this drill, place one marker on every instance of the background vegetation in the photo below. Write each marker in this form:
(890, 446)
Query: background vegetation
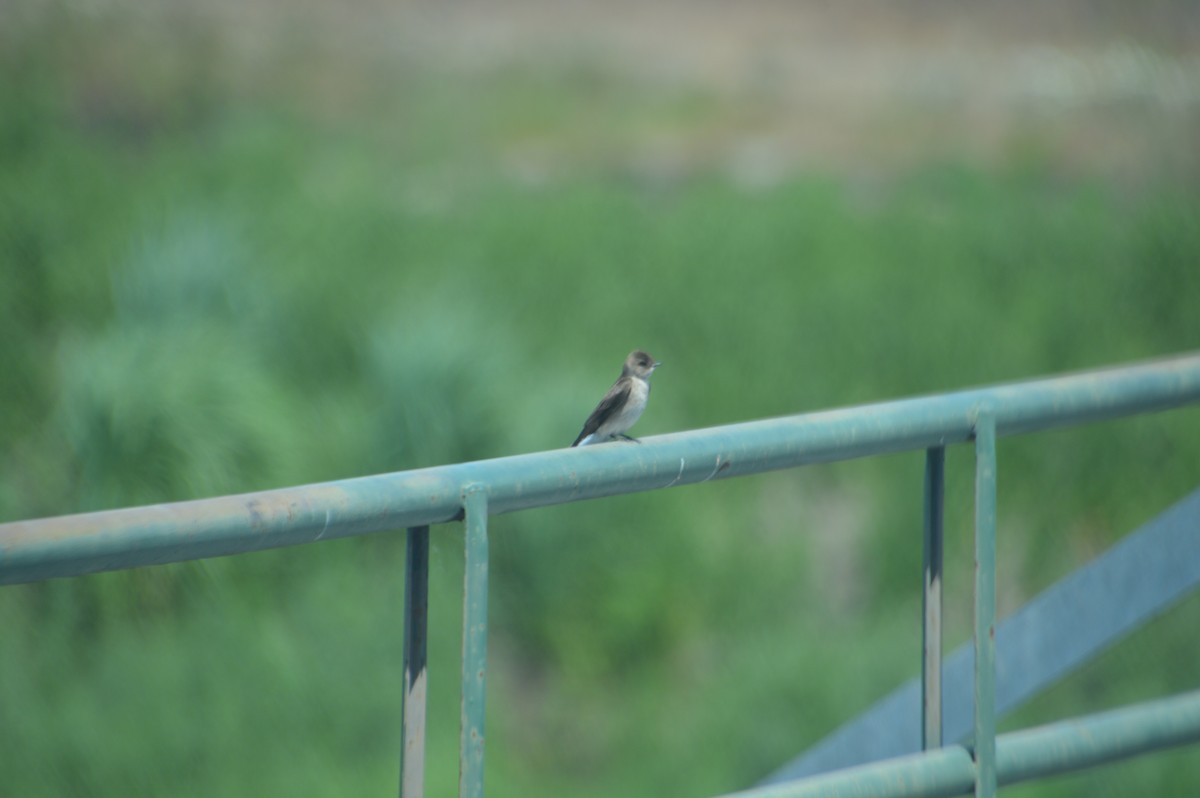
(257, 247)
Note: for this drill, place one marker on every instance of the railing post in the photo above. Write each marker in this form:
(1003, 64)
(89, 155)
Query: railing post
(985, 605)
(416, 615)
(931, 605)
(474, 659)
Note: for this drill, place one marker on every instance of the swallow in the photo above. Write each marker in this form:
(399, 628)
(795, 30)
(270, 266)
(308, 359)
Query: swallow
(622, 406)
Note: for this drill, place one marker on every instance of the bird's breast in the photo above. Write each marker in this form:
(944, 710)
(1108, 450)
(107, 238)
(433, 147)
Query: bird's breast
(639, 391)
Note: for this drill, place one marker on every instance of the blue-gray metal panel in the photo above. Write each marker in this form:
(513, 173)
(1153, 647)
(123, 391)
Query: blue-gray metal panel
(78, 544)
(1064, 626)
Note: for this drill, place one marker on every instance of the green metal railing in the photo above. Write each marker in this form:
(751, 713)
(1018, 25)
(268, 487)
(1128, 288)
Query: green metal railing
(1066, 625)
(79, 544)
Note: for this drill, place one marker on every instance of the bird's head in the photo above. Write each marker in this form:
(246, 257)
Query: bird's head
(639, 364)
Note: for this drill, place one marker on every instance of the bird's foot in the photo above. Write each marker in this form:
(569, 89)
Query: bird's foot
(627, 438)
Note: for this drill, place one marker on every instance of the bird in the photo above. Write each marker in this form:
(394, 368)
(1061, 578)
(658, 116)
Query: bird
(622, 406)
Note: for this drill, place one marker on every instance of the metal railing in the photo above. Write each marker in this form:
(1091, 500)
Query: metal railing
(79, 544)
(1065, 626)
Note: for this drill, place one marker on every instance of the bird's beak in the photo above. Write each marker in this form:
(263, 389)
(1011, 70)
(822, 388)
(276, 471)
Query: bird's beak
(657, 364)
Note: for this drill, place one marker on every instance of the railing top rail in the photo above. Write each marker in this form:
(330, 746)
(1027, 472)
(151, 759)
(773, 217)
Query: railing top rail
(108, 540)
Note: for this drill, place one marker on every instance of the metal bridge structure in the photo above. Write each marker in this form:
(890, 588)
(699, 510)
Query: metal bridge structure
(934, 737)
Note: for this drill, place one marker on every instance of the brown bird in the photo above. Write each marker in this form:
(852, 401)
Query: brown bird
(622, 406)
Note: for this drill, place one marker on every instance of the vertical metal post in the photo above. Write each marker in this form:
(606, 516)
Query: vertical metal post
(416, 617)
(931, 605)
(985, 605)
(474, 660)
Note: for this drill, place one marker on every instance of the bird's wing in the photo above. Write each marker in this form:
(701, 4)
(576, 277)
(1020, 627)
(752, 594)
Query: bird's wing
(612, 403)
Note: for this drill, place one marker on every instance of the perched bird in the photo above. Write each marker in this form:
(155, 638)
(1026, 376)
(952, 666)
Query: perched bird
(622, 406)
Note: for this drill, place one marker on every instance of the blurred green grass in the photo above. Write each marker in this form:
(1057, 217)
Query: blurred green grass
(212, 289)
